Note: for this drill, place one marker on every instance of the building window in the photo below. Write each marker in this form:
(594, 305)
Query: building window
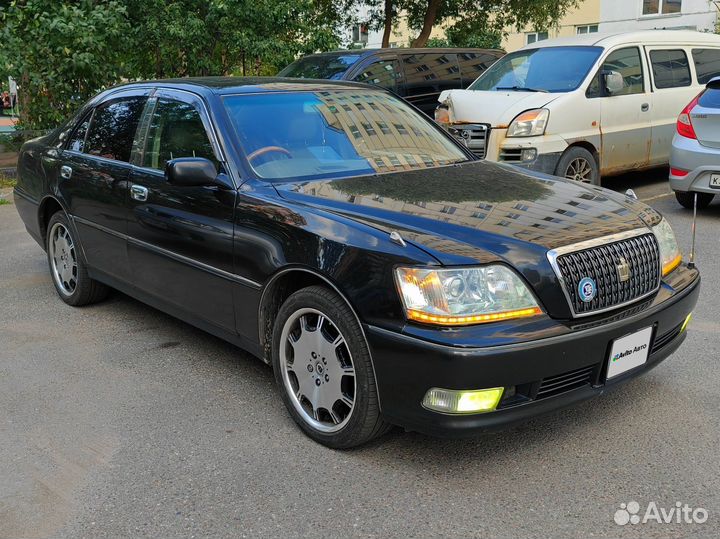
(586, 29)
(661, 7)
(360, 33)
(533, 37)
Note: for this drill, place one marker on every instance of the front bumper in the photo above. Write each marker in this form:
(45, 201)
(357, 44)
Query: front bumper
(406, 367)
(701, 161)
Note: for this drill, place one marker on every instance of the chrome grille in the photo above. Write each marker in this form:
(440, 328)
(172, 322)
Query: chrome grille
(600, 263)
(474, 136)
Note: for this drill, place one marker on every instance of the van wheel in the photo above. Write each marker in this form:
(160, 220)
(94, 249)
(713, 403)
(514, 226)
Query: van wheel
(686, 199)
(580, 165)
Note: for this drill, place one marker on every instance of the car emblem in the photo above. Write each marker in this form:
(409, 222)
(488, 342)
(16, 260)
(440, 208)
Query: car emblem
(587, 289)
(623, 270)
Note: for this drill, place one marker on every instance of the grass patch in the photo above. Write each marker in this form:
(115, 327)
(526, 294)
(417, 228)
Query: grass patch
(4, 202)
(7, 182)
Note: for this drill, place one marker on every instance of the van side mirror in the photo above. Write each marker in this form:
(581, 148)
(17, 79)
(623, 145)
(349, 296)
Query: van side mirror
(613, 82)
(194, 172)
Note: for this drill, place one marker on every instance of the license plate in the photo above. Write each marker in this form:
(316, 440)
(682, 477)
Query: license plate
(715, 180)
(629, 352)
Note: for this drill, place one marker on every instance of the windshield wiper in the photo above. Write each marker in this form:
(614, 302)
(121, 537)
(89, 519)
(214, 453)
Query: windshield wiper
(521, 89)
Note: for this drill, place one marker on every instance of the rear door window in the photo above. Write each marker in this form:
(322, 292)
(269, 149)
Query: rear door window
(670, 68)
(707, 64)
(384, 73)
(113, 128)
(77, 139)
(431, 72)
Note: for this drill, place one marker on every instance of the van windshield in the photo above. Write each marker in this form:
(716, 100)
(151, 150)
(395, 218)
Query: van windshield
(321, 66)
(545, 69)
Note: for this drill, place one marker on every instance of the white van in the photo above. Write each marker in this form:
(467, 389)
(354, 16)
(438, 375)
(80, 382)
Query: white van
(584, 106)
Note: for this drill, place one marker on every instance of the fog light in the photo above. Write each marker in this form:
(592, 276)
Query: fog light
(529, 154)
(685, 324)
(459, 401)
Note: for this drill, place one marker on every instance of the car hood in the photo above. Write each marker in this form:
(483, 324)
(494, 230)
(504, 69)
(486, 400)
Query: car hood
(495, 108)
(477, 211)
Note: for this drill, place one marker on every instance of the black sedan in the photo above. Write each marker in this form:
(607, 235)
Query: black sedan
(330, 229)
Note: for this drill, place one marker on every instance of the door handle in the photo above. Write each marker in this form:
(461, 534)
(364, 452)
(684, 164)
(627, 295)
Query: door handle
(138, 192)
(65, 172)
(645, 107)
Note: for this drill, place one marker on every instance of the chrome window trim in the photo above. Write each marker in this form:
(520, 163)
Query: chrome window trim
(553, 255)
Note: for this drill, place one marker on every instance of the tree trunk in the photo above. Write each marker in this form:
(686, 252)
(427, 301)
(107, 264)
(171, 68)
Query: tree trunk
(388, 23)
(428, 22)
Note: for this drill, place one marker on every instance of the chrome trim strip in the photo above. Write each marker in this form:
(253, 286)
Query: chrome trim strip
(553, 255)
(170, 254)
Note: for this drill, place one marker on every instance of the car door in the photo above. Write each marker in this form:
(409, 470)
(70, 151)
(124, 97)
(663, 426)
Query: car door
(93, 178)
(180, 238)
(428, 74)
(673, 88)
(624, 114)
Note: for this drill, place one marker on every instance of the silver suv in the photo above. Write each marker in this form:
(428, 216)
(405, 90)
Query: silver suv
(695, 154)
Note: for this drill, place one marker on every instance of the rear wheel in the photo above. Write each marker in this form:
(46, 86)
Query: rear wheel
(580, 165)
(67, 266)
(322, 366)
(687, 199)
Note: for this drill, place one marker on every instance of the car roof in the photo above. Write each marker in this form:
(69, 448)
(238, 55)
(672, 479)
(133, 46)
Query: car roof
(645, 37)
(235, 85)
(402, 50)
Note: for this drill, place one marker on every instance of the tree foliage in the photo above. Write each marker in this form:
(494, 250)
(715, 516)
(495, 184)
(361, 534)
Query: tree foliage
(63, 52)
(60, 53)
(467, 18)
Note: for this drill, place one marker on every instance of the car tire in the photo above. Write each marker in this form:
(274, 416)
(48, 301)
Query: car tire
(578, 164)
(686, 199)
(324, 371)
(67, 266)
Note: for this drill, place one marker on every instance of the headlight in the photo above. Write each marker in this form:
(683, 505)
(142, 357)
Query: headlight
(670, 256)
(463, 296)
(529, 123)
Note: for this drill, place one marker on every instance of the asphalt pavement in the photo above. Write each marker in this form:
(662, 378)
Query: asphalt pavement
(118, 420)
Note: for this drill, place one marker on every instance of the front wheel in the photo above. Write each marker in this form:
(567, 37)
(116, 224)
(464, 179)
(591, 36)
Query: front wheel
(687, 199)
(323, 369)
(580, 165)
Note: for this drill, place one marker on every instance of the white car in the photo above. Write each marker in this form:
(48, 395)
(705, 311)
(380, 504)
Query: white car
(586, 106)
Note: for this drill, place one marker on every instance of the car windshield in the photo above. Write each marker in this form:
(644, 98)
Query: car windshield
(546, 69)
(335, 133)
(324, 66)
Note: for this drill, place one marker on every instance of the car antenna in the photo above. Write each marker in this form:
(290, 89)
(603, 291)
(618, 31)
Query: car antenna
(691, 263)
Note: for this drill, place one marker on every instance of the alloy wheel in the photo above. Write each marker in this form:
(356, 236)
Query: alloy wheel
(579, 170)
(317, 370)
(63, 259)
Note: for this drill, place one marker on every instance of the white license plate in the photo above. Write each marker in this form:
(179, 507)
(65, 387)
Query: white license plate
(715, 180)
(629, 352)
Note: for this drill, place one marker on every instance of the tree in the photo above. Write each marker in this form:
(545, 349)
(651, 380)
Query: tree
(61, 53)
(466, 17)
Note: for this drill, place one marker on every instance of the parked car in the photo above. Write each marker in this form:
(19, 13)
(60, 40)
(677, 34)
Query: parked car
(388, 276)
(586, 106)
(695, 155)
(417, 75)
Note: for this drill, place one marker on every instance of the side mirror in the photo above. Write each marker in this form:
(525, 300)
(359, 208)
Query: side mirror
(614, 82)
(193, 172)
